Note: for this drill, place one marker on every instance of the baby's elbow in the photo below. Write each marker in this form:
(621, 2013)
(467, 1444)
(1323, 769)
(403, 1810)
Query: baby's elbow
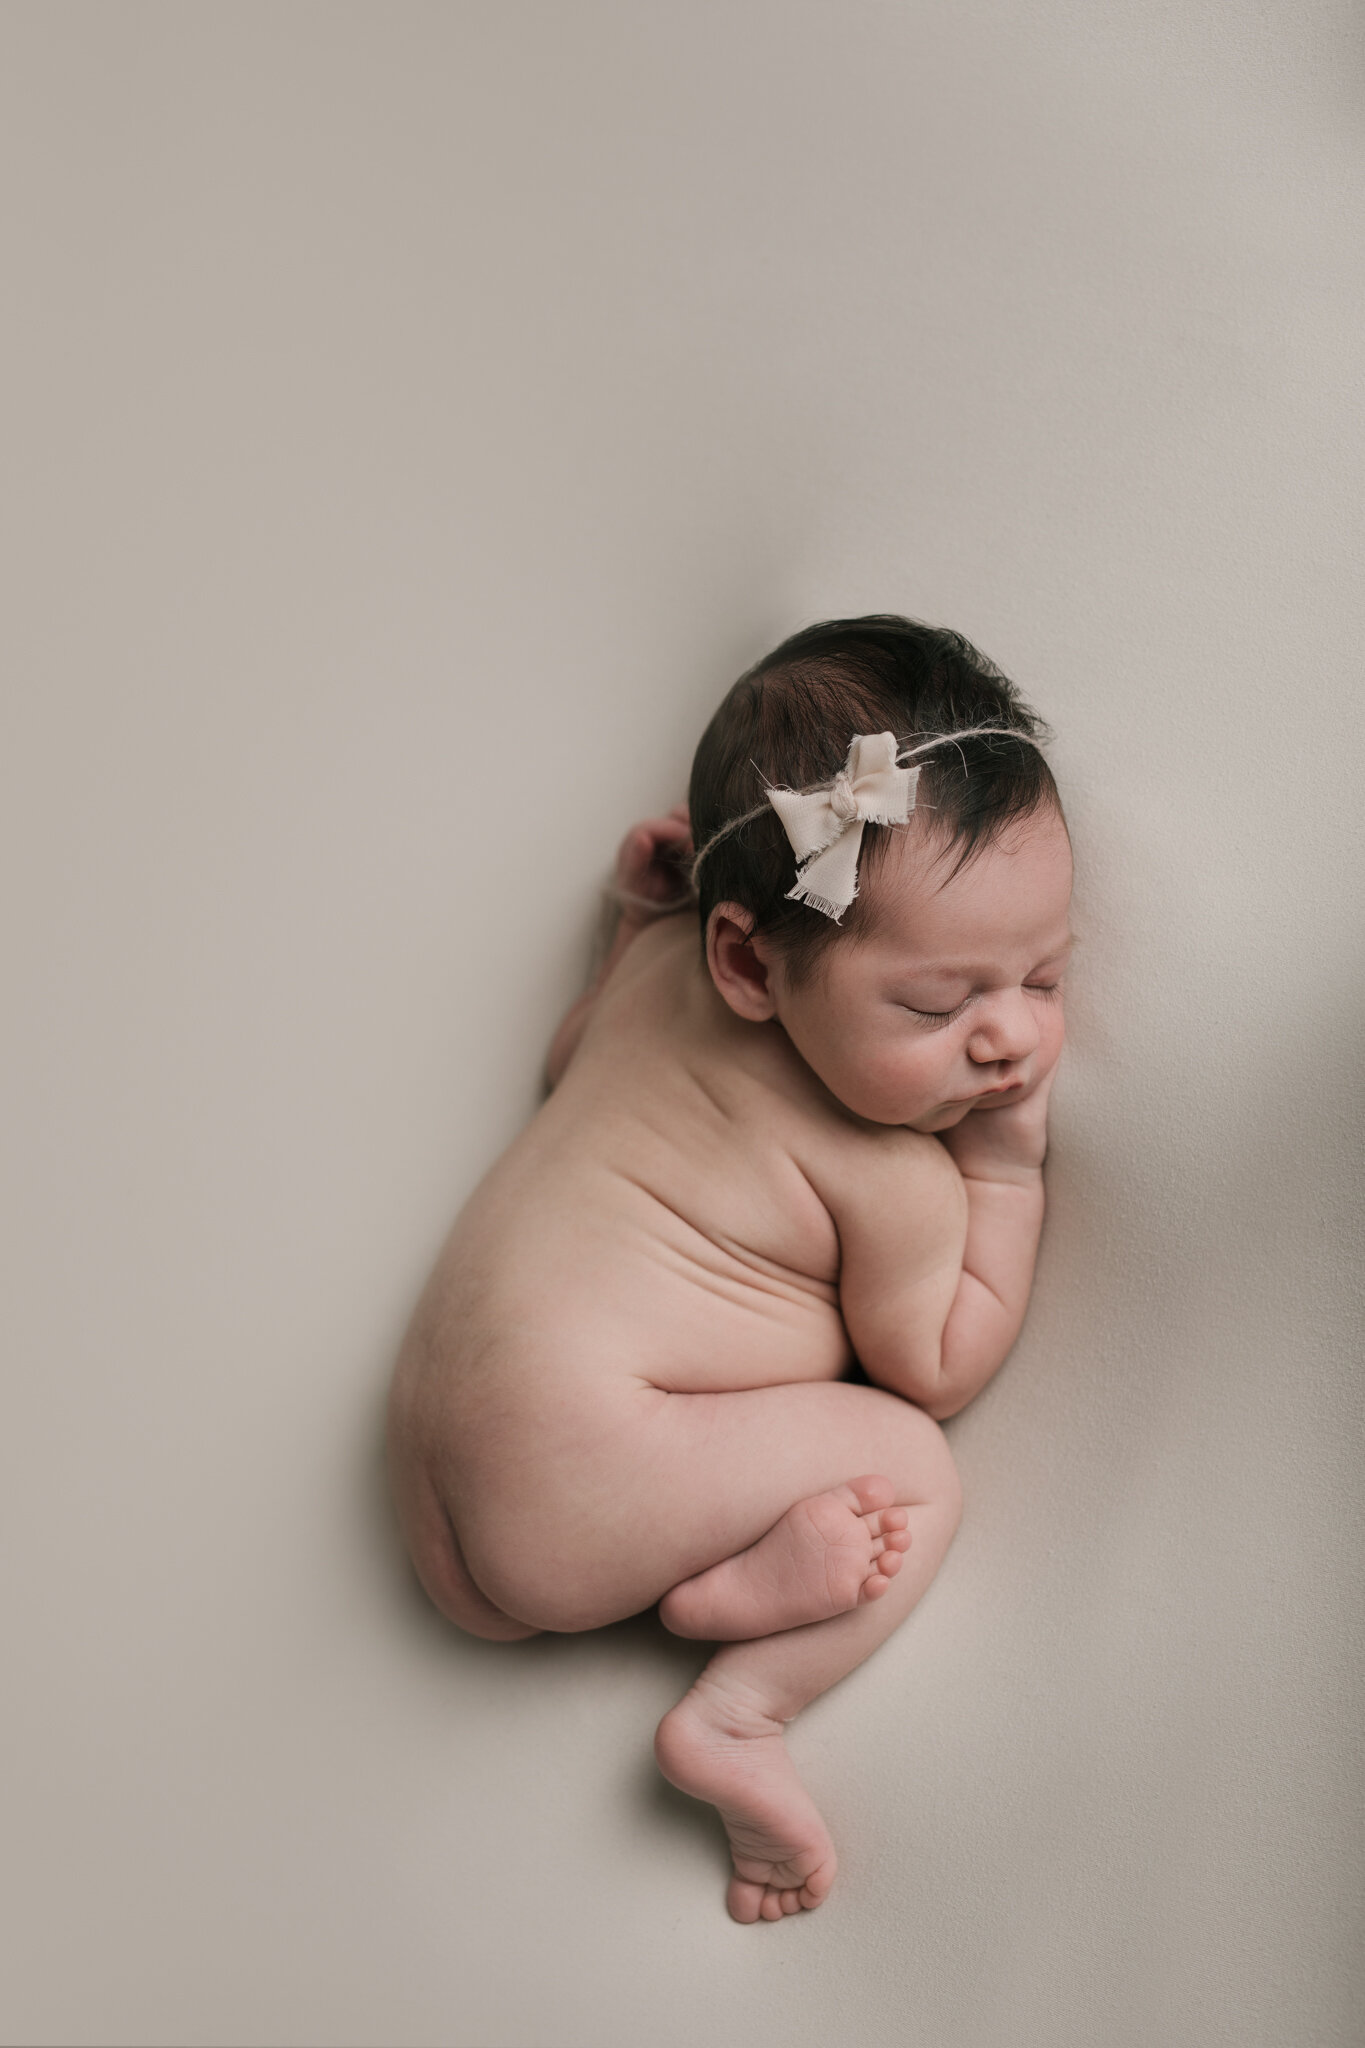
(928, 1391)
(940, 1406)
(914, 1374)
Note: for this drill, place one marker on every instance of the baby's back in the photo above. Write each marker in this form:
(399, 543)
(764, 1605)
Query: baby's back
(656, 1220)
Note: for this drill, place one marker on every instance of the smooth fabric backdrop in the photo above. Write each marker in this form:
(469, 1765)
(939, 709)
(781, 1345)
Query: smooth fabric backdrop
(414, 416)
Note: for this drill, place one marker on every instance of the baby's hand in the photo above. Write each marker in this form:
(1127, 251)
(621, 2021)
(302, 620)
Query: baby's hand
(651, 866)
(1005, 1143)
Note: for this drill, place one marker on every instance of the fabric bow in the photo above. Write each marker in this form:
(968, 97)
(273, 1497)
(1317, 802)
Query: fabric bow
(825, 826)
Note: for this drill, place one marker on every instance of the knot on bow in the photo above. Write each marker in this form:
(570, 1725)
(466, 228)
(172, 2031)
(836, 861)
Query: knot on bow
(842, 801)
(825, 826)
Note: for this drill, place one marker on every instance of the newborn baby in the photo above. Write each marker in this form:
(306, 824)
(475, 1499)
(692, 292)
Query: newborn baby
(796, 1129)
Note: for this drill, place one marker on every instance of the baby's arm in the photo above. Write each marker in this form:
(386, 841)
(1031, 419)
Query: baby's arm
(938, 1249)
(646, 887)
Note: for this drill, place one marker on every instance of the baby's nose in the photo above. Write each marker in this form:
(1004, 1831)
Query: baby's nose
(1006, 1028)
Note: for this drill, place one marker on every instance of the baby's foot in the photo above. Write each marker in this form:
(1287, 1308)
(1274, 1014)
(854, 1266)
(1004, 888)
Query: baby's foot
(736, 1757)
(827, 1554)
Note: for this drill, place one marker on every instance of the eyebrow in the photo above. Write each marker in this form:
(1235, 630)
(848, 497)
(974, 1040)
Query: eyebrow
(1064, 951)
(939, 970)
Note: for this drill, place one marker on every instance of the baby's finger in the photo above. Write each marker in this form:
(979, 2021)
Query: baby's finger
(1038, 1090)
(635, 852)
(672, 830)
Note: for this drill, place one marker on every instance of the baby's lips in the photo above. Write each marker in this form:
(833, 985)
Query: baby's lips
(991, 1098)
(998, 1088)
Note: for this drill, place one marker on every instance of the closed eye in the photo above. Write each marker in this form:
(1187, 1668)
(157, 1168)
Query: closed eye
(936, 1017)
(1050, 991)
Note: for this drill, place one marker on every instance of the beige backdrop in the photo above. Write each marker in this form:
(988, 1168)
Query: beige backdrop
(414, 415)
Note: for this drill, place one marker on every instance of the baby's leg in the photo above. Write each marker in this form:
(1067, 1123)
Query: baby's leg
(653, 1489)
(724, 1740)
(671, 1485)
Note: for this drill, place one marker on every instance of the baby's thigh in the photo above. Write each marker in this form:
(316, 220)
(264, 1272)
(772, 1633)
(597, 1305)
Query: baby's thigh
(673, 1483)
(762, 1449)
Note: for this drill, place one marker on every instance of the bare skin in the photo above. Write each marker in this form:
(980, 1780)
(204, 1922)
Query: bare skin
(824, 1556)
(641, 1320)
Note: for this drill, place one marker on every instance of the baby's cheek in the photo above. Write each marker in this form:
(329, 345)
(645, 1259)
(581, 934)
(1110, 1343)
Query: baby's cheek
(908, 1080)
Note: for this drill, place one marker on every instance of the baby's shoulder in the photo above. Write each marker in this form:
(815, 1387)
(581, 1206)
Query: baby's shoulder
(856, 1165)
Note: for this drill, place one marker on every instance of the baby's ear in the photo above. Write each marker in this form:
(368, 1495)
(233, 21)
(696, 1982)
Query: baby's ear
(737, 969)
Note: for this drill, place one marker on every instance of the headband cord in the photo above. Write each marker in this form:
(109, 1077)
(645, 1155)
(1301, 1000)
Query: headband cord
(824, 825)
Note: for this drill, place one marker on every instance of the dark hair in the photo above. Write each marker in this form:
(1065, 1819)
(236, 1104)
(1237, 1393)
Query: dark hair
(788, 723)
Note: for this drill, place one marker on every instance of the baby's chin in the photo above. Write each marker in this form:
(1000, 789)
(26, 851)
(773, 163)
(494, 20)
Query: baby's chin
(943, 1118)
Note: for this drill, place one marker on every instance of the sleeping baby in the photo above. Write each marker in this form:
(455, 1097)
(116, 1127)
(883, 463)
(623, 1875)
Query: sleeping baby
(691, 1340)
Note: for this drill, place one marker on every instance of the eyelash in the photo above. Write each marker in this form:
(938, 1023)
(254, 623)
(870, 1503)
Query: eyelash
(1050, 992)
(938, 1016)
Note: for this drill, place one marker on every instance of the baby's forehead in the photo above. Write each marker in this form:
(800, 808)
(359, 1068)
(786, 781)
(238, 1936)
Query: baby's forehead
(946, 901)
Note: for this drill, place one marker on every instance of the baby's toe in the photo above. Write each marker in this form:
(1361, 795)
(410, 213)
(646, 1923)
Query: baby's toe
(869, 1495)
(884, 1520)
(745, 1901)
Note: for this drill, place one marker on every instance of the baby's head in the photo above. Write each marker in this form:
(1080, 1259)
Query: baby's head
(938, 987)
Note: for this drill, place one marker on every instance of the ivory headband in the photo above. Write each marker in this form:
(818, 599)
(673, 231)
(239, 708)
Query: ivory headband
(825, 824)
